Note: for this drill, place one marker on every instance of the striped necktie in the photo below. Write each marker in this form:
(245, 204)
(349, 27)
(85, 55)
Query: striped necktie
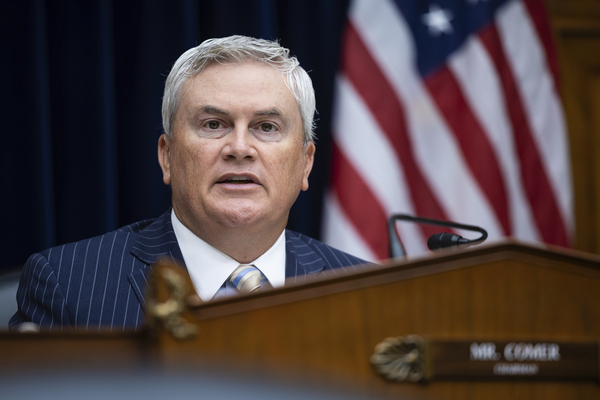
(246, 278)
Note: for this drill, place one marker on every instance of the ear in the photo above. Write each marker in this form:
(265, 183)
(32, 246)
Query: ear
(309, 159)
(164, 157)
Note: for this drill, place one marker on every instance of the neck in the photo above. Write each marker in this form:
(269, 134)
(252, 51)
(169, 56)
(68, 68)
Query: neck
(242, 244)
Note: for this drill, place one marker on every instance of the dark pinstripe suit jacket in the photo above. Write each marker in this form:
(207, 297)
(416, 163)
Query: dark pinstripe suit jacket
(100, 281)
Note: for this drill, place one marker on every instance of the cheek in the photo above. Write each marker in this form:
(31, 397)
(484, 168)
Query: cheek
(291, 172)
(195, 156)
(189, 167)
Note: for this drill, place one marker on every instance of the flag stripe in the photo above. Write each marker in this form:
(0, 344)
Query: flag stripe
(340, 231)
(537, 13)
(359, 138)
(369, 82)
(355, 198)
(540, 100)
(474, 69)
(533, 174)
(473, 142)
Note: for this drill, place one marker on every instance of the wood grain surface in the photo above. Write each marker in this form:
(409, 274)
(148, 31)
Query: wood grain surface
(329, 328)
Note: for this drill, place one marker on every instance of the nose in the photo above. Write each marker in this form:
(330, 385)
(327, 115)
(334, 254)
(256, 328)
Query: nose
(239, 145)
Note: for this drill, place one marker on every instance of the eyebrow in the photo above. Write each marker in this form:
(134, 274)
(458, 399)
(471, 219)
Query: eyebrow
(276, 112)
(214, 110)
(273, 111)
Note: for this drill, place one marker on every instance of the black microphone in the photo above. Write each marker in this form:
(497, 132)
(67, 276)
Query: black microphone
(436, 241)
(446, 239)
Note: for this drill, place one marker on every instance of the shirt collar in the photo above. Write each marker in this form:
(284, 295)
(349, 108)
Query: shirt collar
(209, 268)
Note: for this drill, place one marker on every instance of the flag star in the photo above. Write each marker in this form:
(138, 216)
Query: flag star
(437, 20)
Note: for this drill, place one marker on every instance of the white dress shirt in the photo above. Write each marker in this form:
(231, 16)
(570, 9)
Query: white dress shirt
(209, 268)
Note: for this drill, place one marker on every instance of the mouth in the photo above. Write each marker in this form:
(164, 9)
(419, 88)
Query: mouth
(238, 179)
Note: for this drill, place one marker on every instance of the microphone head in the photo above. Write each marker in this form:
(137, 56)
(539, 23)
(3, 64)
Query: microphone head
(445, 239)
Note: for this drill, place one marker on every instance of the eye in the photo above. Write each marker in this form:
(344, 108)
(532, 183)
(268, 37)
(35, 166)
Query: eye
(213, 124)
(267, 131)
(267, 127)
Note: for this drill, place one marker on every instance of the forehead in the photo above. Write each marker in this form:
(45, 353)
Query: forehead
(247, 85)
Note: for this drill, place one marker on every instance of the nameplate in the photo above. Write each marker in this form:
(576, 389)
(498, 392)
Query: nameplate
(412, 358)
(529, 359)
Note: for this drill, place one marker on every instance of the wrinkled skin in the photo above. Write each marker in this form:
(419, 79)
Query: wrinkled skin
(236, 162)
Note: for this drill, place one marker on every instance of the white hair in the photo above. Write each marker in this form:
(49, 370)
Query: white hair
(239, 49)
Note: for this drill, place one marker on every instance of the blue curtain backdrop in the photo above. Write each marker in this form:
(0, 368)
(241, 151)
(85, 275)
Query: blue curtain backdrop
(81, 92)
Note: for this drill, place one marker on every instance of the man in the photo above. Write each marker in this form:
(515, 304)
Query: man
(237, 149)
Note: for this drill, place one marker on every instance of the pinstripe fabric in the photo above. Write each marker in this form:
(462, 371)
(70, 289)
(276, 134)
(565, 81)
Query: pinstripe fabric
(306, 257)
(99, 282)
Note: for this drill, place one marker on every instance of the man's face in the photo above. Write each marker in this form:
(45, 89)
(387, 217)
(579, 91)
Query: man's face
(236, 158)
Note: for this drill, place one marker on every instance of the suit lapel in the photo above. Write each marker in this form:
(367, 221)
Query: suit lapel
(301, 260)
(158, 239)
(154, 241)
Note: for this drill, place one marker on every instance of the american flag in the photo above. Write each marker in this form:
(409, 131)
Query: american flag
(447, 109)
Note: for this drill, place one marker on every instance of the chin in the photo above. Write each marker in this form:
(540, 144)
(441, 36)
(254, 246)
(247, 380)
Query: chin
(239, 218)
(241, 222)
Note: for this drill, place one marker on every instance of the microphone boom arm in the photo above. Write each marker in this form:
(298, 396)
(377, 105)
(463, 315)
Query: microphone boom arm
(396, 249)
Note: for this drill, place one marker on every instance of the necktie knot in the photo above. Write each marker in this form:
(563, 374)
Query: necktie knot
(246, 278)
